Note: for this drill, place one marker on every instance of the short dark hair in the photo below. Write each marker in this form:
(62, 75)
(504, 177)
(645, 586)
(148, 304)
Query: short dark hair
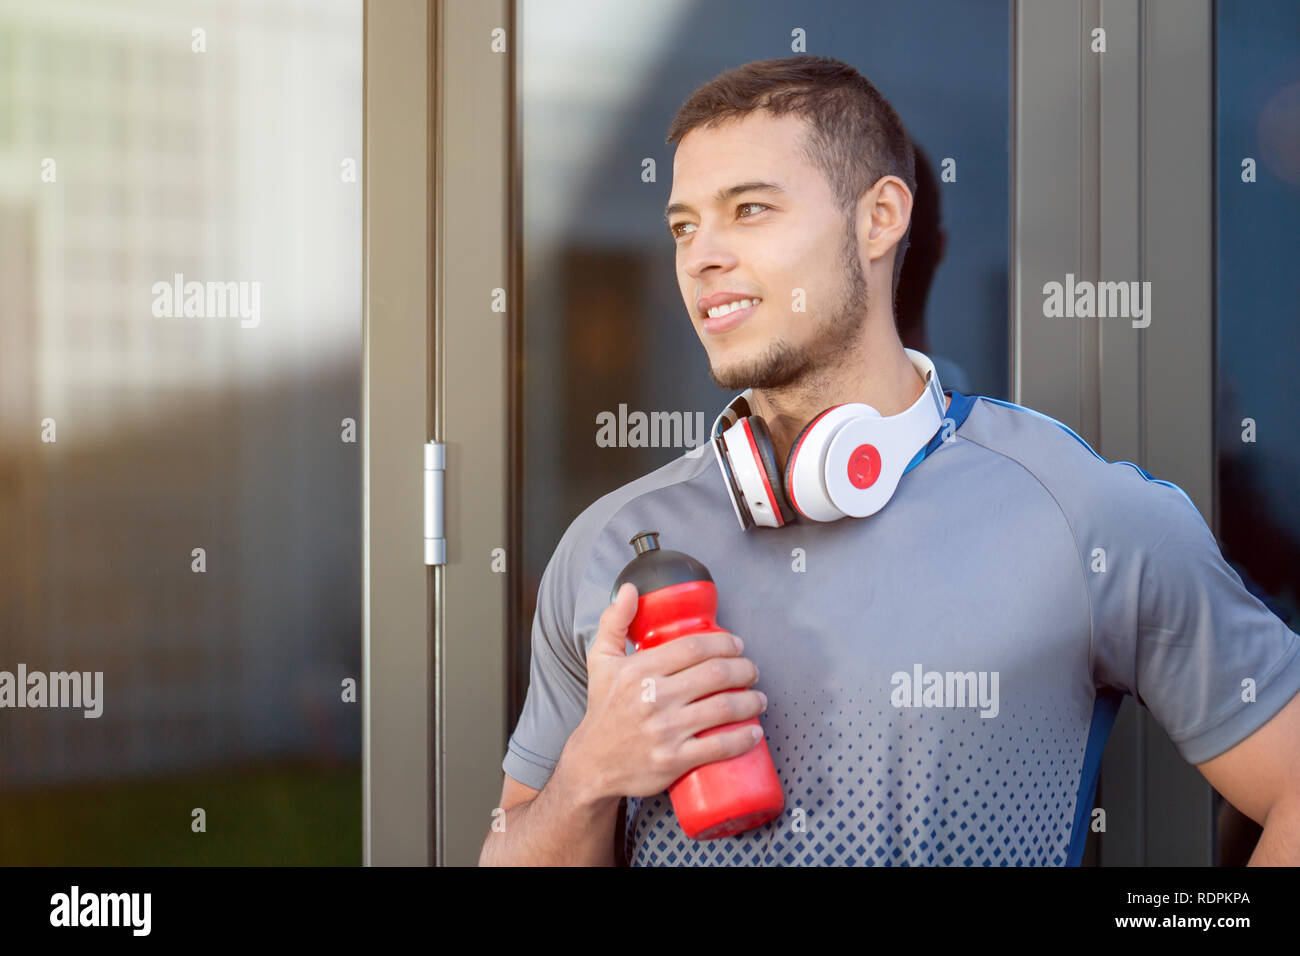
(854, 135)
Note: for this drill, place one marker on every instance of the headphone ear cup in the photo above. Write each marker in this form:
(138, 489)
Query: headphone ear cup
(788, 473)
(767, 455)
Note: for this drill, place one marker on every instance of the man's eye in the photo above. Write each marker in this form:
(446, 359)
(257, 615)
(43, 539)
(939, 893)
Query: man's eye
(673, 230)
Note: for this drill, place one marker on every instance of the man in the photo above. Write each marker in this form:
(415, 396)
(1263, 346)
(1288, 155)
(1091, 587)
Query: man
(1009, 553)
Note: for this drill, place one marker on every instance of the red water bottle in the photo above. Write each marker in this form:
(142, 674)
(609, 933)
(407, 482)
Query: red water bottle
(676, 596)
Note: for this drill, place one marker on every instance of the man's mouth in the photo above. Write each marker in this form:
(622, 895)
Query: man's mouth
(728, 316)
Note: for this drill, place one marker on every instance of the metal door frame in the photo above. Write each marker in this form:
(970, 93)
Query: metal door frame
(436, 110)
(396, 252)
(1113, 174)
(475, 51)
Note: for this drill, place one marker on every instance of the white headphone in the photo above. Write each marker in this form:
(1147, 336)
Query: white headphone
(845, 462)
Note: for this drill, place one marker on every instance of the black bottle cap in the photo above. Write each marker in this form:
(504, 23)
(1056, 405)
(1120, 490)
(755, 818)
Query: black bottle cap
(655, 567)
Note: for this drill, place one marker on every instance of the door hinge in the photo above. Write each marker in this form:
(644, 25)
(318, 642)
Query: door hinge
(435, 471)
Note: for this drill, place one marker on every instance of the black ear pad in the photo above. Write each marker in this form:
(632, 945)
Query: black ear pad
(789, 461)
(767, 455)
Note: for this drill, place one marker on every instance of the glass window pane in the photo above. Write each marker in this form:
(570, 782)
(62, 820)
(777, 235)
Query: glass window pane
(1257, 113)
(1257, 355)
(180, 256)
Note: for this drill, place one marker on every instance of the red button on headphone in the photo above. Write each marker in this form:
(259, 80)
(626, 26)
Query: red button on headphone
(864, 466)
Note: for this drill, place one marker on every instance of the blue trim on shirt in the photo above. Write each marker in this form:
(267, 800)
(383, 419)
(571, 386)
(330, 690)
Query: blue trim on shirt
(958, 409)
(1104, 708)
(1141, 471)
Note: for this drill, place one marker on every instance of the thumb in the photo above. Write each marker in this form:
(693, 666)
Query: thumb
(611, 633)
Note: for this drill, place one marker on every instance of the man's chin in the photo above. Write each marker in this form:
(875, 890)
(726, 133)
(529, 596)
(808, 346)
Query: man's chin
(738, 376)
(732, 375)
(768, 364)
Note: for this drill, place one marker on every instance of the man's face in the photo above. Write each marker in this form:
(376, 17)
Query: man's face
(766, 244)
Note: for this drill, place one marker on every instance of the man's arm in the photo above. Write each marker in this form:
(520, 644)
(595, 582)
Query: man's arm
(1261, 777)
(1175, 626)
(563, 824)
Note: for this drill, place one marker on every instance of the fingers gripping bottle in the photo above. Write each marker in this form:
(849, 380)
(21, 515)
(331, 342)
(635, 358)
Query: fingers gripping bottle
(676, 596)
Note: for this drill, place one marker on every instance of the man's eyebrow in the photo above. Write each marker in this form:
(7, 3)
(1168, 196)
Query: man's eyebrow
(722, 195)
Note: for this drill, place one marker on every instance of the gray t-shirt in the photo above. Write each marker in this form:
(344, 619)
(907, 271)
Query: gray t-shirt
(942, 676)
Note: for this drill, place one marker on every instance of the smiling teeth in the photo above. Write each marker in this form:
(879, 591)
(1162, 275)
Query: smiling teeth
(721, 310)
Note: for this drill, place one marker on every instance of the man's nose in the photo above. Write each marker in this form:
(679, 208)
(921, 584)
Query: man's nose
(707, 250)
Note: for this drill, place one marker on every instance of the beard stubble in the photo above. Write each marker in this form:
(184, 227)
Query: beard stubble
(786, 367)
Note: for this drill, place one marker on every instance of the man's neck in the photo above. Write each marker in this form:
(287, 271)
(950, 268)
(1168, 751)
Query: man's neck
(886, 380)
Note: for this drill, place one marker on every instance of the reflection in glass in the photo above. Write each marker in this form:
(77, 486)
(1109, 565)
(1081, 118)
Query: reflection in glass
(1257, 113)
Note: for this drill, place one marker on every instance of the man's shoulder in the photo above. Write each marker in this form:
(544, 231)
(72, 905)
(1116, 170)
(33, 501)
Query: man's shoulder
(583, 532)
(1026, 435)
(1092, 491)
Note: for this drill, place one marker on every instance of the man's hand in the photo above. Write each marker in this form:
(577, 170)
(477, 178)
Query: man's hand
(644, 709)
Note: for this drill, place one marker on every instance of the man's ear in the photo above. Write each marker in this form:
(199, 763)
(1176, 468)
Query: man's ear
(892, 191)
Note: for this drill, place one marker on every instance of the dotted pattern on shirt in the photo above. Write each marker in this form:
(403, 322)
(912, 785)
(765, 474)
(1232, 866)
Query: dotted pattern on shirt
(897, 787)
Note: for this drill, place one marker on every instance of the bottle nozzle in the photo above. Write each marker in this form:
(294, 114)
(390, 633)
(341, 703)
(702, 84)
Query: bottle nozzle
(655, 567)
(645, 541)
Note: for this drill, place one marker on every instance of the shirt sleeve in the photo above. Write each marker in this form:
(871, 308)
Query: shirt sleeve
(557, 683)
(1174, 625)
